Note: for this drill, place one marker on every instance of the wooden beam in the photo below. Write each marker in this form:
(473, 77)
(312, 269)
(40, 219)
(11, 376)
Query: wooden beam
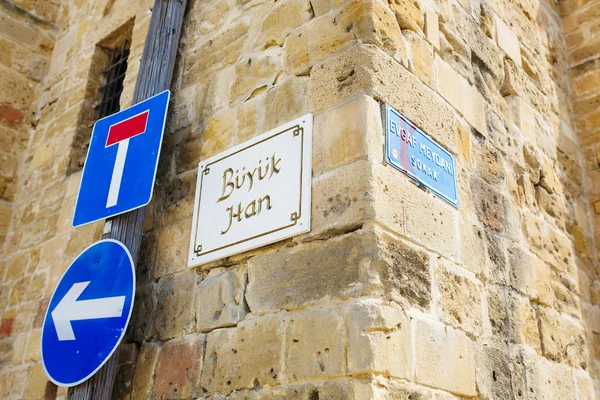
(155, 75)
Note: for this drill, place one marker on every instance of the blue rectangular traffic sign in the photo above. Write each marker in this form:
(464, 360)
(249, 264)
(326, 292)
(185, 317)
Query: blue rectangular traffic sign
(120, 168)
(417, 155)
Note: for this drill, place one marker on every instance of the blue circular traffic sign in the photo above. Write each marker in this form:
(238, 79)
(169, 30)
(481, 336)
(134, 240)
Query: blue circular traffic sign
(88, 313)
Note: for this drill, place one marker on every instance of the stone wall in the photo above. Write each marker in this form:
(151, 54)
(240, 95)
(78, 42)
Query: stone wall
(27, 34)
(40, 239)
(581, 22)
(394, 293)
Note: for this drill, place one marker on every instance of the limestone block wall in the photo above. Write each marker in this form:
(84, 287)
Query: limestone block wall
(394, 293)
(40, 239)
(581, 23)
(27, 32)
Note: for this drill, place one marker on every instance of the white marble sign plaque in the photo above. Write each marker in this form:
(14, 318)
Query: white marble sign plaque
(254, 194)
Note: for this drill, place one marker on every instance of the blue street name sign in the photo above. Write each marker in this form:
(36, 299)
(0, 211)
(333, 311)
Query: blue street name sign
(88, 313)
(120, 168)
(411, 151)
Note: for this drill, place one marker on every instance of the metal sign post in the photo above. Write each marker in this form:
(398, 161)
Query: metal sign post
(155, 75)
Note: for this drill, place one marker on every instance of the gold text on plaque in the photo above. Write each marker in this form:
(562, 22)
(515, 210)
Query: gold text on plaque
(260, 172)
(233, 180)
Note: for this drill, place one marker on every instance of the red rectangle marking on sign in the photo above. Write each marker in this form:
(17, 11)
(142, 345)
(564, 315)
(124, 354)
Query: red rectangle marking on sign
(127, 129)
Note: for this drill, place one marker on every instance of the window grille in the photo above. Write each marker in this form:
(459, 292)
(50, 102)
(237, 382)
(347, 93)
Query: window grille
(115, 75)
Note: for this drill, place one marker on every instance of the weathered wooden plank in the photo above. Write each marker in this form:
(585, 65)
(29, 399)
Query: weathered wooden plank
(155, 75)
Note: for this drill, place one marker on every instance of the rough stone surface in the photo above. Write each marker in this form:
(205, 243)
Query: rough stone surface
(379, 340)
(460, 299)
(291, 278)
(244, 357)
(450, 361)
(143, 379)
(315, 344)
(219, 301)
(175, 307)
(178, 368)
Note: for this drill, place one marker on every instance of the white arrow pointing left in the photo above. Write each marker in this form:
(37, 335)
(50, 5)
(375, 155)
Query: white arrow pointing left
(69, 309)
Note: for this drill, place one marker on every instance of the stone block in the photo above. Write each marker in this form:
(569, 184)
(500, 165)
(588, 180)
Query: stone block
(451, 85)
(171, 256)
(33, 352)
(315, 344)
(408, 14)
(346, 133)
(247, 119)
(141, 325)
(489, 163)
(490, 206)
(143, 379)
(36, 286)
(445, 358)
(472, 247)
(222, 49)
(244, 357)
(42, 154)
(342, 199)
(285, 102)
(36, 382)
(459, 303)
(412, 212)
(294, 277)
(530, 276)
(563, 338)
(379, 340)
(341, 76)
(179, 367)
(11, 116)
(313, 42)
(497, 374)
(255, 72)
(175, 313)
(219, 300)
(584, 385)
(546, 379)
(73, 182)
(23, 319)
(284, 17)
(218, 134)
(474, 109)
(432, 29)
(15, 89)
(19, 346)
(15, 267)
(320, 7)
(5, 215)
(508, 41)
(372, 22)
(8, 165)
(523, 116)
(422, 58)
(523, 321)
(12, 382)
(403, 273)
(65, 216)
(218, 95)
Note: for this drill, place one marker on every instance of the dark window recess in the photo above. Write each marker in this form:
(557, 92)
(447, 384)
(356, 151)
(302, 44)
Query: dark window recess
(115, 75)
